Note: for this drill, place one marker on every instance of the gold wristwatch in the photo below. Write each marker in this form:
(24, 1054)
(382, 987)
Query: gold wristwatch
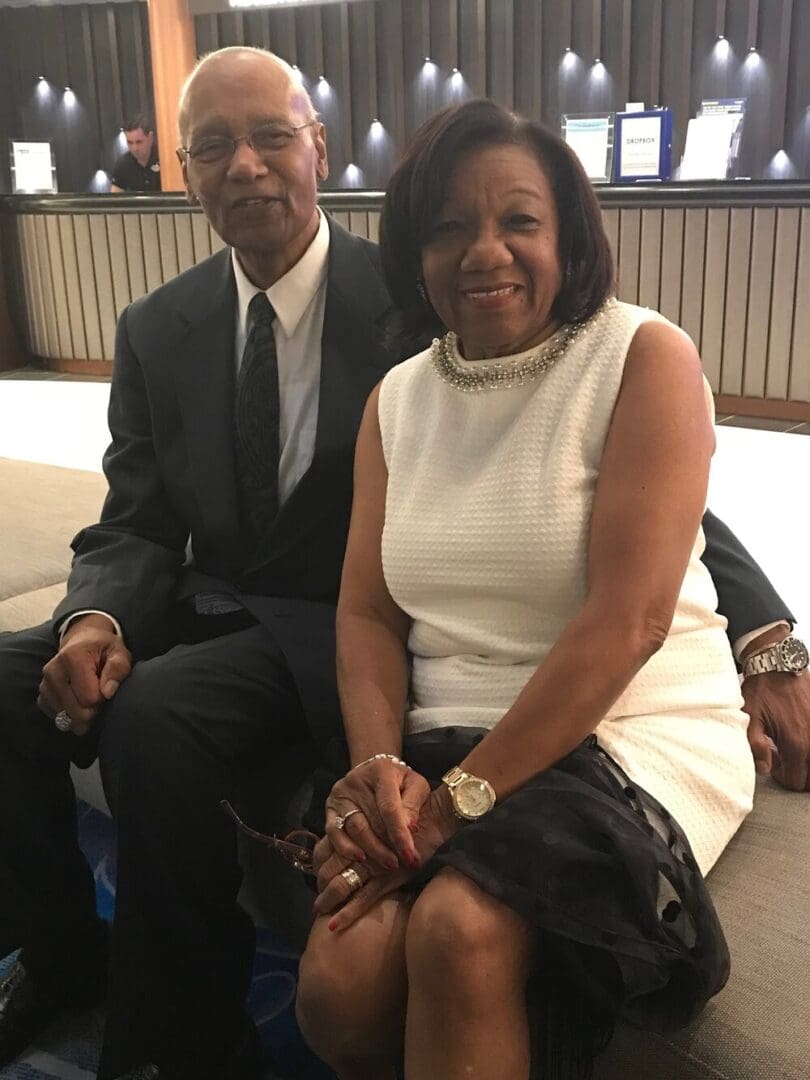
(472, 797)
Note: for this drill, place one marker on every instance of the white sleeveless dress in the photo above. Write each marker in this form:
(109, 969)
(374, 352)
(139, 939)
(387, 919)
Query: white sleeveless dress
(485, 547)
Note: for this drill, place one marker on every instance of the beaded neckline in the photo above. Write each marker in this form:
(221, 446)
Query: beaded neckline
(509, 371)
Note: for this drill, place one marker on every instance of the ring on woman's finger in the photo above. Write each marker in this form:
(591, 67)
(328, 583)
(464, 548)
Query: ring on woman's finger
(341, 819)
(352, 878)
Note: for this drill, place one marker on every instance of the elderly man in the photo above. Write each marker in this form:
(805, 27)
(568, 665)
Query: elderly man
(236, 397)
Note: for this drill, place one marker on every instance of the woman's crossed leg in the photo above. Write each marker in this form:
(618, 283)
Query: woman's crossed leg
(444, 974)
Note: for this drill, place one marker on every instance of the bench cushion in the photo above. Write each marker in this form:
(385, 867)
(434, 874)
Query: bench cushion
(758, 1028)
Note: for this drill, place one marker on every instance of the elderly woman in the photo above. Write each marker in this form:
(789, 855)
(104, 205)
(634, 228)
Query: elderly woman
(525, 620)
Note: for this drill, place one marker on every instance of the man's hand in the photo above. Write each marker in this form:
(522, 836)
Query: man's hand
(389, 798)
(778, 705)
(437, 823)
(90, 665)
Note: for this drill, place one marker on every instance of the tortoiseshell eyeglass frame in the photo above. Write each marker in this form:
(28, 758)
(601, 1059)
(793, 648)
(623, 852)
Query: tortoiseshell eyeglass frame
(296, 847)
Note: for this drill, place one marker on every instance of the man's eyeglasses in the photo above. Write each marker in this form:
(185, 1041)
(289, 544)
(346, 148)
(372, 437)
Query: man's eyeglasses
(265, 139)
(296, 847)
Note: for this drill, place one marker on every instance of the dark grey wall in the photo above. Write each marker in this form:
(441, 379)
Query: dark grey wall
(372, 56)
(101, 51)
(662, 52)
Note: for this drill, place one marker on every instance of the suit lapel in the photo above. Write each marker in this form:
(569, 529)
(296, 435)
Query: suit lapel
(204, 371)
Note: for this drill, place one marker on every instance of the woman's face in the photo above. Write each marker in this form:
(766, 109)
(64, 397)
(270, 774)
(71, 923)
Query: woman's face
(490, 265)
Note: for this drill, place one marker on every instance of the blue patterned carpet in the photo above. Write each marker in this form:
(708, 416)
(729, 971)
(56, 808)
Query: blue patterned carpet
(69, 1049)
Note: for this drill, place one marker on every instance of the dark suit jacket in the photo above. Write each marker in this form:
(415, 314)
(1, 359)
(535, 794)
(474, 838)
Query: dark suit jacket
(170, 468)
(171, 473)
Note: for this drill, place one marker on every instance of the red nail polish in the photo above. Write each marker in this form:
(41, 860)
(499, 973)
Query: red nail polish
(391, 864)
(332, 925)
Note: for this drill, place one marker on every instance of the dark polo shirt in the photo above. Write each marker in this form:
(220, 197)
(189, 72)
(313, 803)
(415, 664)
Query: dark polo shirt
(130, 176)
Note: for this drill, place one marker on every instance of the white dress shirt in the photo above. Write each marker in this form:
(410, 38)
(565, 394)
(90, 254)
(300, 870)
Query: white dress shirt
(299, 300)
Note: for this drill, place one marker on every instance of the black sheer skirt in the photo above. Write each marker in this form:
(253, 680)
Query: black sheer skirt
(626, 926)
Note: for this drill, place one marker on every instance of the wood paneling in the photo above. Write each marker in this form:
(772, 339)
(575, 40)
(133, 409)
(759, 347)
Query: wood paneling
(735, 277)
(372, 56)
(173, 56)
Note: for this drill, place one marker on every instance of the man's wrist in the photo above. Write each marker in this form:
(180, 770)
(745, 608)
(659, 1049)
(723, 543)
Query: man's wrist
(771, 636)
(98, 620)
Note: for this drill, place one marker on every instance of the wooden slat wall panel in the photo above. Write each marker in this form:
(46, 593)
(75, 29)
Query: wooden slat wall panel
(136, 267)
(671, 264)
(201, 233)
(58, 286)
(739, 253)
(73, 286)
(105, 296)
(150, 241)
(783, 302)
(694, 247)
(49, 333)
(611, 221)
(87, 281)
(629, 254)
(167, 241)
(116, 241)
(714, 307)
(759, 301)
(799, 389)
(649, 270)
(185, 241)
(735, 278)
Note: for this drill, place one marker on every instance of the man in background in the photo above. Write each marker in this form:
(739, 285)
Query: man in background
(138, 169)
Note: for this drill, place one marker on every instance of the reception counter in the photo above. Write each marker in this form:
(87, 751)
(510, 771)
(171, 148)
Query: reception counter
(729, 262)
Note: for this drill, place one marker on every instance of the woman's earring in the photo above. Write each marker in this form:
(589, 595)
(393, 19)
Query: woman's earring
(421, 292)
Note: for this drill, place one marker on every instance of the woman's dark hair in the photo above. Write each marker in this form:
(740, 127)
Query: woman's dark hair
(419, 186)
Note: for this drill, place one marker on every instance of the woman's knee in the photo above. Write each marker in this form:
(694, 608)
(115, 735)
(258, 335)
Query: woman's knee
(460, 935)
(351, 996)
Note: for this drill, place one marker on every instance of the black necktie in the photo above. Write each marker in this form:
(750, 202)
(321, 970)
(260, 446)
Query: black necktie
(257, 430)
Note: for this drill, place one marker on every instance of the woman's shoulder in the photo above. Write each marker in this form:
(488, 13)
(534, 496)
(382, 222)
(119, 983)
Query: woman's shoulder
(406, 371)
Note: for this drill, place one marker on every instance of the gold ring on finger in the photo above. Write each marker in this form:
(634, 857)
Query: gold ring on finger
(352, 878)
(341, 819)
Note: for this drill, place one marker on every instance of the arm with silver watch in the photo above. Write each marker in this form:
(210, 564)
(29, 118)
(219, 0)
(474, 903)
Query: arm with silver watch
(788, 655)
(776, 693)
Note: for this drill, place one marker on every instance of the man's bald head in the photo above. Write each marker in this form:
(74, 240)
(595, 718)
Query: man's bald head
(259, 185)
(239, 62)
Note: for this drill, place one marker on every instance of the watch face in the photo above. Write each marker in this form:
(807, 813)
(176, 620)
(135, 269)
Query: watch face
(474, 798)
(793, 654)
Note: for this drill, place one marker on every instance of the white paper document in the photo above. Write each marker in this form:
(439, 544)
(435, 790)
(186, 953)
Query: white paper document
(708, 147)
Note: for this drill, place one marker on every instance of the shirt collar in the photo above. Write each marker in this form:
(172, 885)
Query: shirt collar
(292, 294)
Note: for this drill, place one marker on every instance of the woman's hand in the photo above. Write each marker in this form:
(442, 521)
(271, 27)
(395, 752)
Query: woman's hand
(389, 798)
(436, 824)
